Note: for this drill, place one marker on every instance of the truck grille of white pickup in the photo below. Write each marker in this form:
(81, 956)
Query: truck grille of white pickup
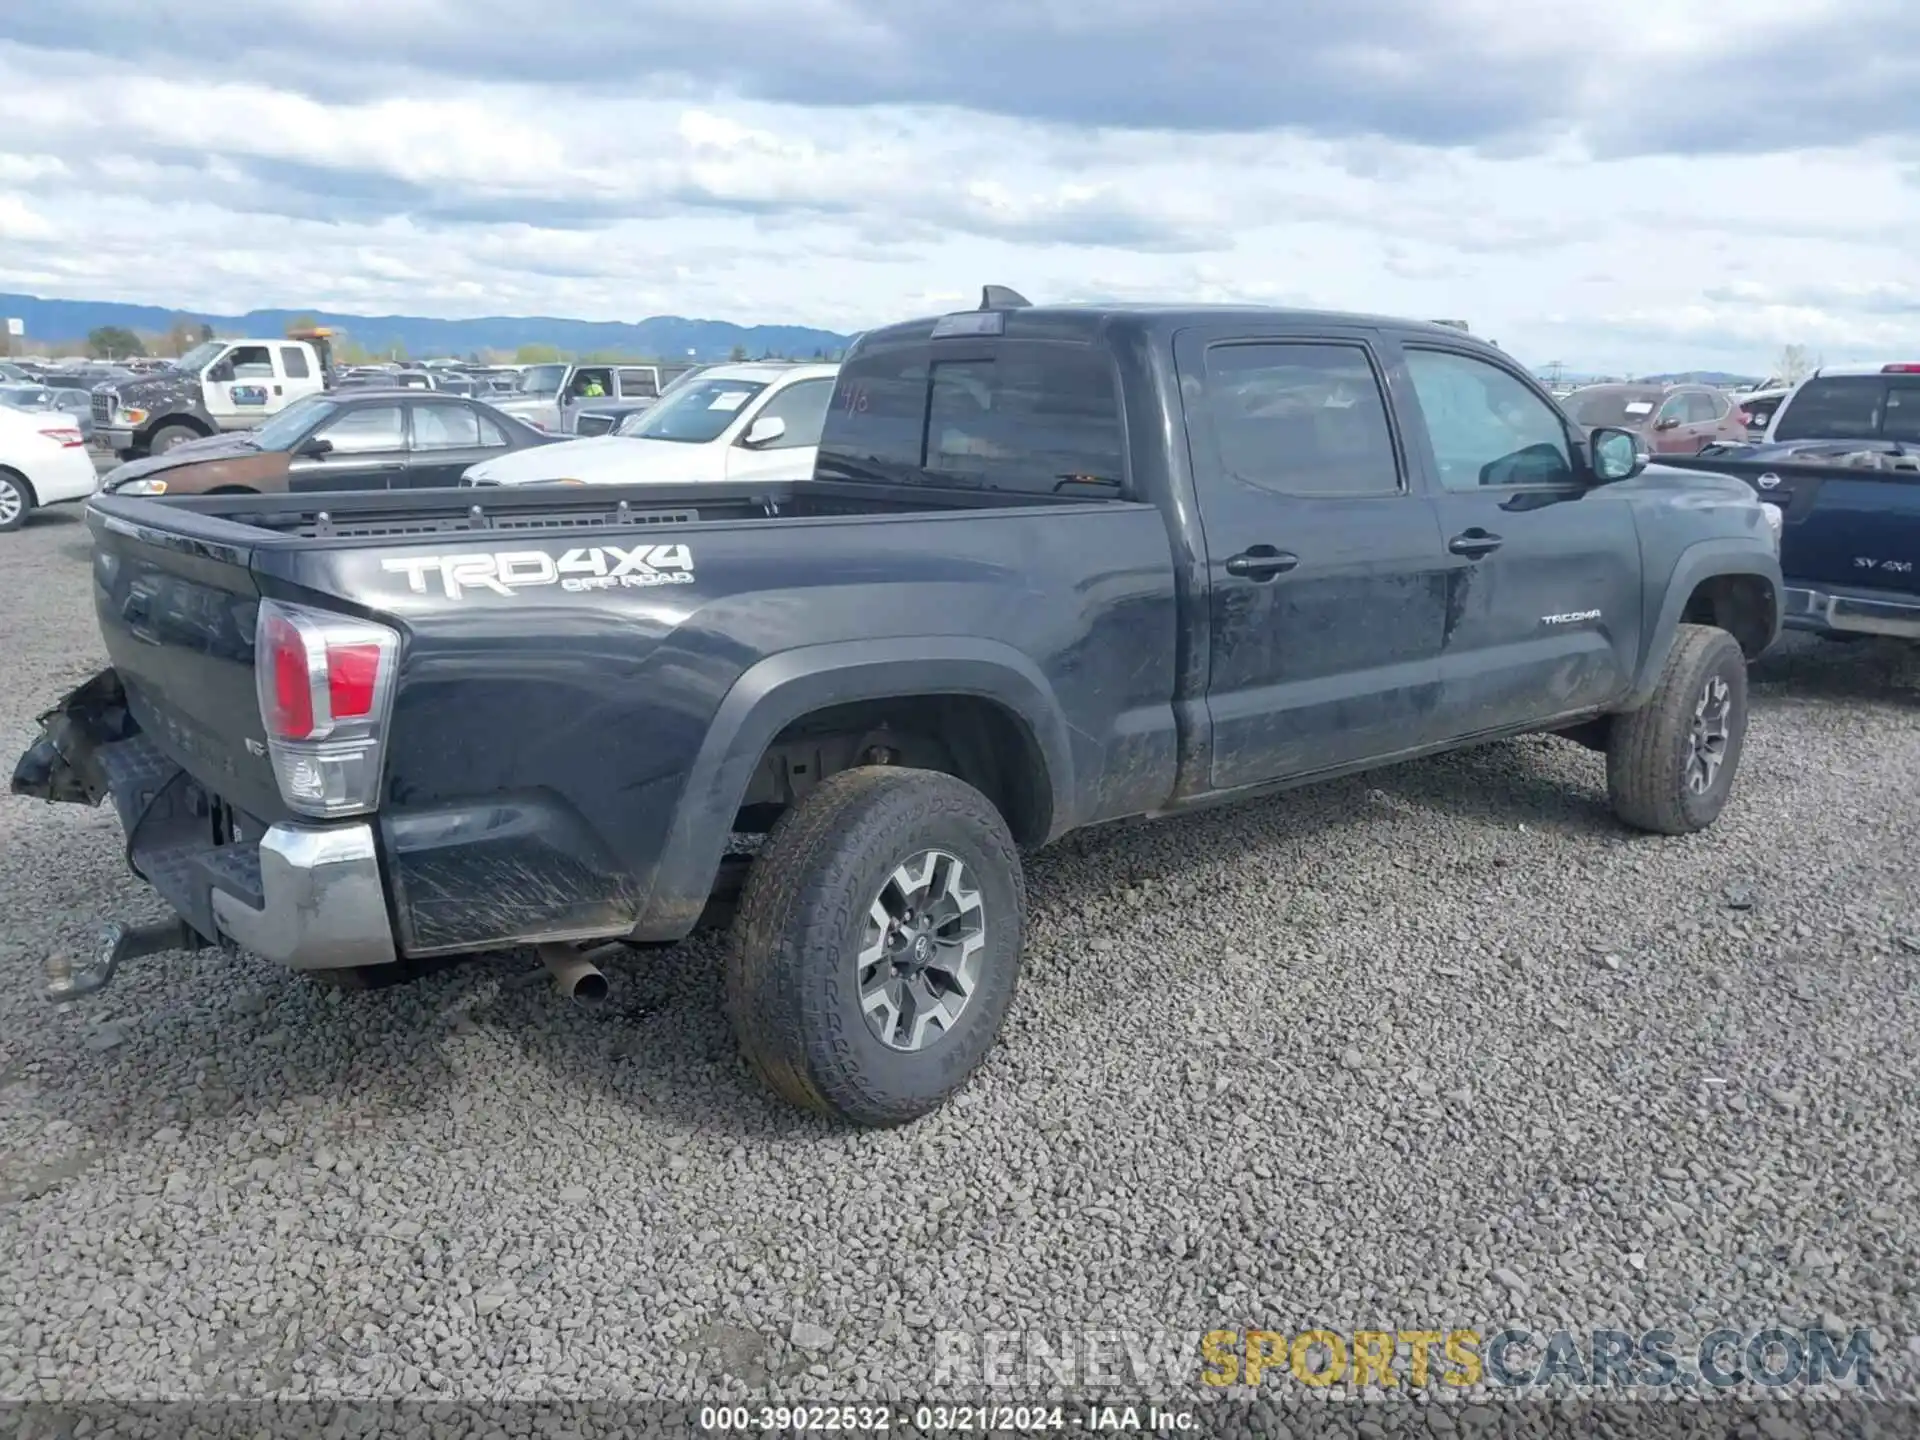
(102, 409)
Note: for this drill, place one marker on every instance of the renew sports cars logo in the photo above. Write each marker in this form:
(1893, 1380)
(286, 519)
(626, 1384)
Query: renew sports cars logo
(507, 572)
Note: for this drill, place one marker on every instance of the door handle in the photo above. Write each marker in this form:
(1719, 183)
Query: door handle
(276, 390)
(1261, 562)
(1474, 543)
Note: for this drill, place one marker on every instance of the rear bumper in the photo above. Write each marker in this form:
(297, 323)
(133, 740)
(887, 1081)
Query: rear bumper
(1850, 612)
(307, 896)
(321, 905)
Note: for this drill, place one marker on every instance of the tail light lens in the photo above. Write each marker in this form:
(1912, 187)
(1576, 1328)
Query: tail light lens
(65, 435)
(326, 685)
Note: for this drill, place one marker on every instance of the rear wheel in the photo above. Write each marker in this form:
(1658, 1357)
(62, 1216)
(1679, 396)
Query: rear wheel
(877, 947)
(16, 499)
(1671, 763)
(166, 437)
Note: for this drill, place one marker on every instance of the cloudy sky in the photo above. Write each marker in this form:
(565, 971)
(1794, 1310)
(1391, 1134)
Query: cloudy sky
(1641, 184)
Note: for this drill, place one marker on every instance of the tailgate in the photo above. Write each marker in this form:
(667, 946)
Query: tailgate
(1851, 529)
(178, 616)
(1844, 525)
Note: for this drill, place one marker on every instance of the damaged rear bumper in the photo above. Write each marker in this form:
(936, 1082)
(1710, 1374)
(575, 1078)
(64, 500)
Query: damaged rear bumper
(307, 896)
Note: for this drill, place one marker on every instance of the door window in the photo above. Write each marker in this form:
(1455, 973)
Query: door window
(492, 437)
(1301, 419)
(1486, 427)
(249, 362)
(1030, 416)
(1701, 409)
(638, 385)
(445, 427)
(361, 432)
(803, 405)
(590, 384)
(293, 360)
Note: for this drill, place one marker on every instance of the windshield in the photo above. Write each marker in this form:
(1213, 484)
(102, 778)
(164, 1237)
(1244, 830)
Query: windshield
(197, 358)
(286, 428)
(695, 413)
(1852, 407)
(1628, 409)
(22, 396)
(542, 379)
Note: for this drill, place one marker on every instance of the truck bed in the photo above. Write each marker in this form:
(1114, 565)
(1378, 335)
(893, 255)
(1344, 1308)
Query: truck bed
(360, 515)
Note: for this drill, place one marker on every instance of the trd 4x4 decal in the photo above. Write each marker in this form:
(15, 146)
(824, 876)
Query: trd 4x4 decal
(506, 572)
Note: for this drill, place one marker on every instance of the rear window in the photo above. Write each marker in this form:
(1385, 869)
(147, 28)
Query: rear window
(1852, 407)
(1035, 417)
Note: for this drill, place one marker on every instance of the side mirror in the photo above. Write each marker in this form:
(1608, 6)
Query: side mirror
(764, 431)
(1614, 454)
(1668, 423)
(316, 446)
(221, 373)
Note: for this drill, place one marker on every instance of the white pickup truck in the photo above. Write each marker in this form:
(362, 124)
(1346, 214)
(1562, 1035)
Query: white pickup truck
(217, 385)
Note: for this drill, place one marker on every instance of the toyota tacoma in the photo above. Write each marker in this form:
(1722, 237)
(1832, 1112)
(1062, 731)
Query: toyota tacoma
(1054, 566)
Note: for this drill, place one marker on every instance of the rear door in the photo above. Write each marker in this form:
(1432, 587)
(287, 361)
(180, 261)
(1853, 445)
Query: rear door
(367, 450)
(1327, 580)
(802, 407)
(1543, 568)
(444, 438)
(300, 376)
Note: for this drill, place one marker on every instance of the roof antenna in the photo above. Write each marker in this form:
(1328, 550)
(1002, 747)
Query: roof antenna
(999, 297)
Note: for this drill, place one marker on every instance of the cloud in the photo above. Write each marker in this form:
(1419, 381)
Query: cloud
(1606, 186)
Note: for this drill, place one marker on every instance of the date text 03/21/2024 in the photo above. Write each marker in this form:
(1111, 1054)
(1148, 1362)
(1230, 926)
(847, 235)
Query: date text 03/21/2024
(946, 1419)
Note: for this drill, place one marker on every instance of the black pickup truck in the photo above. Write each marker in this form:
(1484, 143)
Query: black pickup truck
(1056, 566)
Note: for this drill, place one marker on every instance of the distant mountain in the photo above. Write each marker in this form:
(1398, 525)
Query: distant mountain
(664, 336)
(1702, 377)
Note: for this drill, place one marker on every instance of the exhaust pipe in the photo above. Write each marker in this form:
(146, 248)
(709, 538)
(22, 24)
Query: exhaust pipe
(574, 976)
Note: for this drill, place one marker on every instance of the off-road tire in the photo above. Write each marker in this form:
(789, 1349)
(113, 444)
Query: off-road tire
(1648, 750)
(165, 437)
(13, 516)
(792, 980)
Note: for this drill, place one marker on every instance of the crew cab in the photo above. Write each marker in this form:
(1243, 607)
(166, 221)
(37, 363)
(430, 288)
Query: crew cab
(1053, 567)
(216, 386)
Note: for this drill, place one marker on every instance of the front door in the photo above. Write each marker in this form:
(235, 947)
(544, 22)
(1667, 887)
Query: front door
(1327, 580)
(366, 450)
(239, 387)
(445, 438)
(590, 385)
(802, 408)
(1543, 596)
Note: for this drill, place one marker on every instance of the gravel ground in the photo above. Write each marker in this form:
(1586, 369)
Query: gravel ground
(1438, 1047)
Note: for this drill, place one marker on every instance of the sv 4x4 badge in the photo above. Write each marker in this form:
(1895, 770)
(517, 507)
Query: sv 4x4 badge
(507, 572)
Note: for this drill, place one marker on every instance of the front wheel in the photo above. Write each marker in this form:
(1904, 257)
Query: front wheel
(168, 436)
(15, 501)
(877, 947)
(1671, 763)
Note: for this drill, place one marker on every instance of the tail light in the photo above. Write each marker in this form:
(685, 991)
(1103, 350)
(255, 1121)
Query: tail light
(1900, 369)
(66, 436)
(325, 684)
